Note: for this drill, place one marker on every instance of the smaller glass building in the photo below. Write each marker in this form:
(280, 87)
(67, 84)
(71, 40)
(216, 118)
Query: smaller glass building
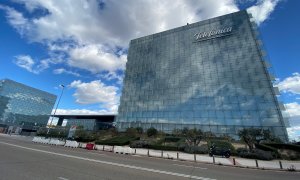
(23, 106)
(88, 122)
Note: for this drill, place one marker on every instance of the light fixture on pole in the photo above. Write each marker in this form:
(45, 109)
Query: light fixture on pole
(62, 91)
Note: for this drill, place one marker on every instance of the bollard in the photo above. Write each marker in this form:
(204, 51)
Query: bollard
(214, 160)
(113, 149)
(195, 158)
(256, 162)
(148, 153)
(233, 161)
(134, 151)
(162, 153)
(103, 147)
(177, 155)
(280, 164)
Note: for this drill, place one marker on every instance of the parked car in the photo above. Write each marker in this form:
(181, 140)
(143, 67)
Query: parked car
(219, 151)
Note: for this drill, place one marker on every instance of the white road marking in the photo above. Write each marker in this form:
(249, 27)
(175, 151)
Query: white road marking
(62, 178)
(189, 166)
(112, 163)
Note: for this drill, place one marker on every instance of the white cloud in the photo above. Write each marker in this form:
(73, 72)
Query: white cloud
(25, 62)
(17, 20)
(112, 76)
(64, 71)
(117, 22)
(262, 10)
(290, 84)
(35, 66)
(96, 92)
(83, 30)
(294, 133)
(293, 109)
(96, 58)
(81, 112)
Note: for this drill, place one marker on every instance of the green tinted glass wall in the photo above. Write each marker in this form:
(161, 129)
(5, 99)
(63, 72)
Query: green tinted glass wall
(209, 75)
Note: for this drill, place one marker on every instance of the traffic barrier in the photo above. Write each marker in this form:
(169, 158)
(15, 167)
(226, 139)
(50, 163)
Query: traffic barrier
(222, 161)
(90, 146)
(123, 150)
(72, 144)
(169, 154)
(186, 156)
(82, 145)
(99, 147)
(141, 151)
(36, 139)
(108, 148)
(202, 158)
(154, 153)
(45, 141)
(57, 142)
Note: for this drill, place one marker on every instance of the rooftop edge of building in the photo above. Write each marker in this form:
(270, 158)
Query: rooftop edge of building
(188, 26)
(45, 92)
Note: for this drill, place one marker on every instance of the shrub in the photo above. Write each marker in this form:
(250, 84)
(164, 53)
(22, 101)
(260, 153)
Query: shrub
(241, 150)
(139, 130)
(256, 154)
(172, 139)
(284, 146)
(263, 147)
(222, 144)
(86, 138)
(161, 147)
(151, 132)
(42, 132)
(203, 149)
(131, 132)
(181, 146)
(139, 144)
(117, 141)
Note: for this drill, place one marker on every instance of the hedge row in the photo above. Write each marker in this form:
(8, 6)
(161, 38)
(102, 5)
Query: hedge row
(273, 151)
(222, 144)
(256, 154)
(117, 141)
(284, 146)
(161, 147)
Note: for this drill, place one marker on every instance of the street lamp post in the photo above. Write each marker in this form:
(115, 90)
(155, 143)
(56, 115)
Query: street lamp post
(62, 91)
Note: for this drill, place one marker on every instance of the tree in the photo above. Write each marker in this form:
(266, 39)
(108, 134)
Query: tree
(193, 136)
(131, 132)
(252, 136)
(139, 130)
(177, 132)
(84, 136)
(151, 132)
(185, 130)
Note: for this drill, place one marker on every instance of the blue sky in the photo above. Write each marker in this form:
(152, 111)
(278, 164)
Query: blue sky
(83, 44)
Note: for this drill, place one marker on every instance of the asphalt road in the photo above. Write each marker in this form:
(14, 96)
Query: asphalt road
(22, 159)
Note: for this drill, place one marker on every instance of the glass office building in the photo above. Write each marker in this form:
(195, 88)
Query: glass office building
(23, 106)
(212, 75)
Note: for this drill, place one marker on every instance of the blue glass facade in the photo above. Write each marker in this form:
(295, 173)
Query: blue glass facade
(210, 75)
(24, 106)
